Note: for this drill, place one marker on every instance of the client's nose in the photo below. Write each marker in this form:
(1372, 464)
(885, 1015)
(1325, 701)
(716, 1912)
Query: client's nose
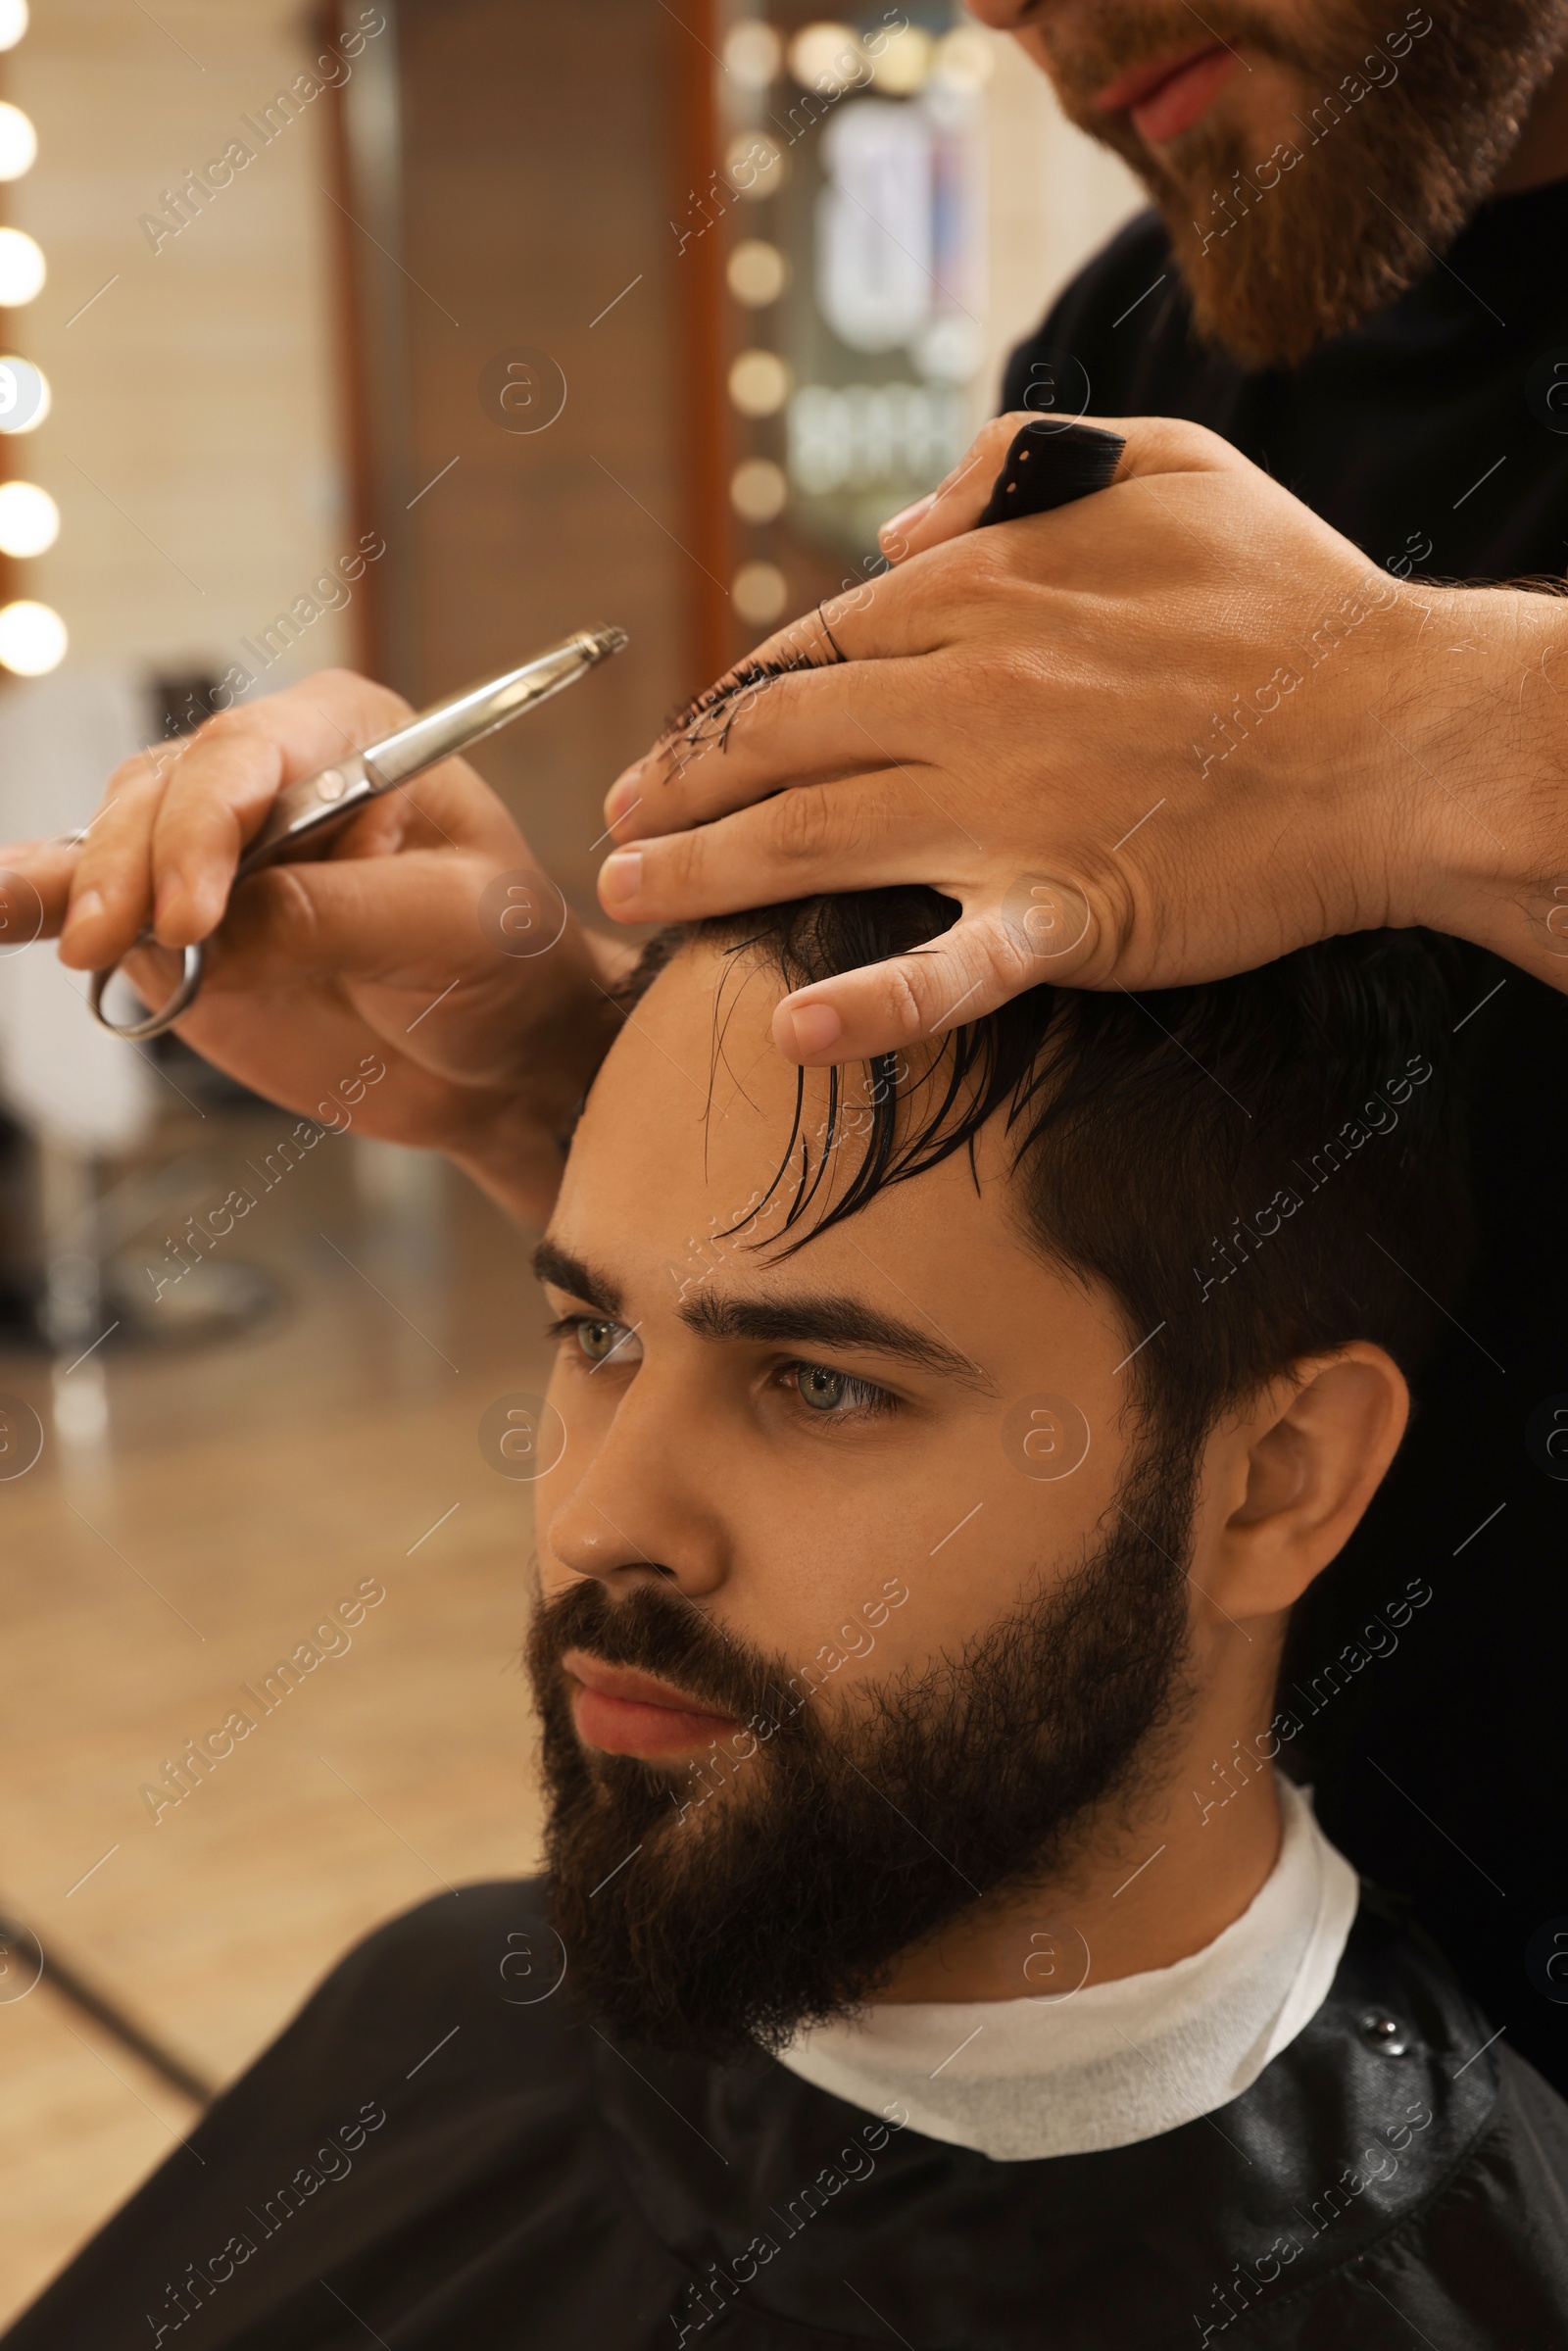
(642, 1508)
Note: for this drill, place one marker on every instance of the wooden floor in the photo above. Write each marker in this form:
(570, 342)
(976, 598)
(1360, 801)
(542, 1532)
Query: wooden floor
(237, 1492)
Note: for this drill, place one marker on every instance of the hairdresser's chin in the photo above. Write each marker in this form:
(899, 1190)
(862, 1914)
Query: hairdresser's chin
(1308, 160)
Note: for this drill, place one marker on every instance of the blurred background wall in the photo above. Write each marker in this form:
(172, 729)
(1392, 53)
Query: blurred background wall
(633, 313)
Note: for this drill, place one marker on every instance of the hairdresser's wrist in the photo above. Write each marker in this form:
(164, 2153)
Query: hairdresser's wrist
(514, 1147)
(511, 1141)
(1487, 711)
(517, 1162)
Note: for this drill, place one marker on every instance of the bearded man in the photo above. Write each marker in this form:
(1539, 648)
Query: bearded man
(1334, 350)
(934, 1948)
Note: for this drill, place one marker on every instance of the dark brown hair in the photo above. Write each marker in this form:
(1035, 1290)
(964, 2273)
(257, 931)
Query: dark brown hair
(1259, 1168)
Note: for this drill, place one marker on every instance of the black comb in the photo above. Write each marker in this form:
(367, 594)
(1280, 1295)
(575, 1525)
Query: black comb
(1050, 464)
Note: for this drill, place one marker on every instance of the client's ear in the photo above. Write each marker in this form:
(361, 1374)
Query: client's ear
(1287, 1480)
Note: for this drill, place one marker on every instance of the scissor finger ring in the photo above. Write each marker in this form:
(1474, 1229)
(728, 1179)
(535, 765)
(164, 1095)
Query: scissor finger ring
(151, 1024)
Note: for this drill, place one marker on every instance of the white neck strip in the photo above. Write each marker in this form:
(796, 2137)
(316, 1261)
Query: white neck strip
(1116, 2062)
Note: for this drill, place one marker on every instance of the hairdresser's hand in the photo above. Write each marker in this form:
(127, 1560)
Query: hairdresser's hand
(1166, 733)
(381, 955)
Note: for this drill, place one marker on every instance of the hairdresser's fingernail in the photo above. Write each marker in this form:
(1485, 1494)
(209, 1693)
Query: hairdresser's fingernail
(896, 525)
(812, 1028)
(620, 876)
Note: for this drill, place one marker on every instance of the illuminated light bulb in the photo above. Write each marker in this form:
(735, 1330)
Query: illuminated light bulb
(757, 490)
(758, 383)
(33, 639)
(21, 269)
(759, 592)
(754, 166)
(13, 22)
(826, 57)
(19, 142)
(29, 519)
(23, 393)
(905, 60)
(757, 274)
(965, 59)
(753, 54)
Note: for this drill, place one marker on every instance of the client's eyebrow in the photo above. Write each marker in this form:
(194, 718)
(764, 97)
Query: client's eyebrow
(829, 1321)
(822, 1319)
(562, 1271)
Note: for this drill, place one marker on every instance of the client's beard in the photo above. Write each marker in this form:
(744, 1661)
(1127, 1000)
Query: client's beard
(1339, 234)
(788, 1894)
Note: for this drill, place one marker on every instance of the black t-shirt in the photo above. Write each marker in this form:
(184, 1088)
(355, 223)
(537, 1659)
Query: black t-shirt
(1427, 437)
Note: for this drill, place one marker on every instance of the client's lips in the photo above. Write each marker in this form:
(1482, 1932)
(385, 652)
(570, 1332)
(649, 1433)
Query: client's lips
(624, 1712)
(1167, 97)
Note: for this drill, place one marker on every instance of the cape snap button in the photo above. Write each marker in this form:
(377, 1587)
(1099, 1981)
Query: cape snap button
(1385, 2033)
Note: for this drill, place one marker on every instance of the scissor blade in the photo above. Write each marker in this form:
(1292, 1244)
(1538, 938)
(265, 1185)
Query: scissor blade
(466, 719)
(306, 815)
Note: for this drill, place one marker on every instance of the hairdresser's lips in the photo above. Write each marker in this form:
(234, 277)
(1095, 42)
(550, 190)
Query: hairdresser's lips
(624, 1712)
(1166, 98)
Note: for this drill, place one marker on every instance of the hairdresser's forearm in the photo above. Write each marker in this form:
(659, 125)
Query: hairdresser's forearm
(1481, 723)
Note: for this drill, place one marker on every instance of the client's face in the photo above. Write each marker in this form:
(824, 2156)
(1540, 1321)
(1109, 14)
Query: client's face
(860, 1588)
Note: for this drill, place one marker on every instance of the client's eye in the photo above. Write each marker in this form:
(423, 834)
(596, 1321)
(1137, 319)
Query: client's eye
(835, 1393)
(600, 1339)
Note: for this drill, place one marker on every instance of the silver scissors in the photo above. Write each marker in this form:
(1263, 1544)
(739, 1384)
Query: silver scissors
(304, 816)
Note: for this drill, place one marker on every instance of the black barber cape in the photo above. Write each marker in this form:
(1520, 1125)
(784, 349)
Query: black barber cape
(443, 2154)
(1438, 1740)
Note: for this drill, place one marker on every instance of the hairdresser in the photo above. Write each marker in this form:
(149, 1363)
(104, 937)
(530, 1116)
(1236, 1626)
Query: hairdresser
(1232, 705)
(1226, 701)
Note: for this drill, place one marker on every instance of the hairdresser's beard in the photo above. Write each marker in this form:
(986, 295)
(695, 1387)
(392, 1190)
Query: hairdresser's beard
(786, 1893)
(1341, 232)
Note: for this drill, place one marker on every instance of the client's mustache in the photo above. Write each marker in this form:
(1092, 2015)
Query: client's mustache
(661, 1634)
